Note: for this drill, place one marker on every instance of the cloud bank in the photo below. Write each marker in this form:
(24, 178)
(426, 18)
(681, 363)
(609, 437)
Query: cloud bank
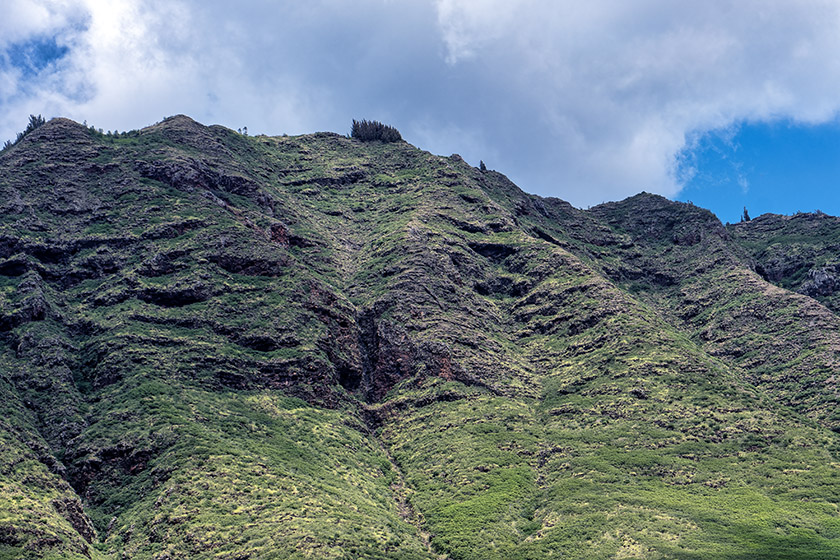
(587, 102)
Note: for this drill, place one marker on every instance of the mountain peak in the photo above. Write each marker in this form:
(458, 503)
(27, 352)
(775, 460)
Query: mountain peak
(58, 129)
(217, 345)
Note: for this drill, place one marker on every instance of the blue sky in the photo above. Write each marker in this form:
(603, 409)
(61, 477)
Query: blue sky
(726, 104)
(779, 166)
(34, 55)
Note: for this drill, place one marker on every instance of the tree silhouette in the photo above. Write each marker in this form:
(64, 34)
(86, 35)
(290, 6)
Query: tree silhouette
(369, 131)
(34, 122)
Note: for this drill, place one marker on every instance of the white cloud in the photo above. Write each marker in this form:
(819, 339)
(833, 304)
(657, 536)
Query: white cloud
(24, 18)
(132, 62)
(624, 83)
(587, 101)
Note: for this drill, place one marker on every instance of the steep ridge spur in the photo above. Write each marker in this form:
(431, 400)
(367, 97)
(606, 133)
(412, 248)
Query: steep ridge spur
(214, 345)
(797, 252)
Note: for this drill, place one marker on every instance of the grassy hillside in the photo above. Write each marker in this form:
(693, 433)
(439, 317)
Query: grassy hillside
(220, 346)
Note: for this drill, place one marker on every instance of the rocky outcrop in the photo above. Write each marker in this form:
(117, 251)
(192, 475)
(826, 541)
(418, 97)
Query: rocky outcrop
(190, 175)
(71, 510)
(797, 252)
(821, 282)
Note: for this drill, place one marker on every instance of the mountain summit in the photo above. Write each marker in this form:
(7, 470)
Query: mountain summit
(222, 346)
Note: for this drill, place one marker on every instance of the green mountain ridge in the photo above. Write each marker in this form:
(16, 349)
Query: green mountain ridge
(221, 346)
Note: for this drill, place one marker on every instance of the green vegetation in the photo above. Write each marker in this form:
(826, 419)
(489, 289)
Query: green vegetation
(34, 122)
(369, 131)
(215, 345)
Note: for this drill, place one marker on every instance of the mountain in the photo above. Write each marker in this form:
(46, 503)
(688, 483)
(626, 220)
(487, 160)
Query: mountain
(222, 346)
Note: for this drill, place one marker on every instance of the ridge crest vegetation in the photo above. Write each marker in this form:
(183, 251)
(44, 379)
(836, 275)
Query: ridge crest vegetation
(215, 345)
(34, 122)
(370, 131)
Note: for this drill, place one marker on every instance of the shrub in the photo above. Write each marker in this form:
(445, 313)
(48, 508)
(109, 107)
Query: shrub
(368, 131)
(745, 217)
(34, 122)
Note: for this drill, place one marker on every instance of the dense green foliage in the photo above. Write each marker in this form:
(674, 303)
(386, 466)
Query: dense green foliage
(221, 346)
(370, 131)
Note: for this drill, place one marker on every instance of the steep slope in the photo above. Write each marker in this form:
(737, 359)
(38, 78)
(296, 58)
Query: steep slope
(216, 346)
(683, 262)
(169, 312)
(798, 252)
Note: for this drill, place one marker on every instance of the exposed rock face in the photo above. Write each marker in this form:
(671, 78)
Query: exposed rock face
(822, 281)
(190, 175)
(216, 346)
(71, 509)
(798, 252)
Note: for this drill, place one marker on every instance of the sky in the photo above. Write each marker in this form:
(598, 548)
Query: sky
(727, 104)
